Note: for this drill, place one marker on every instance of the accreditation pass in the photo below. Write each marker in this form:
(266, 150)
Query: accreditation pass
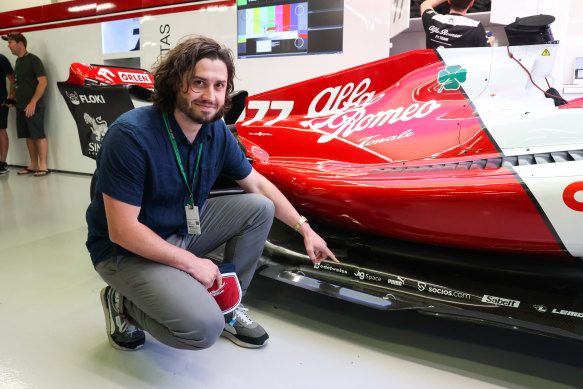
(192, 220)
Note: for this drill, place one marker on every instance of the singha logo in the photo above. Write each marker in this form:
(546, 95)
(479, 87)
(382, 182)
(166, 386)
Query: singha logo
(98, 126)
(73, 97)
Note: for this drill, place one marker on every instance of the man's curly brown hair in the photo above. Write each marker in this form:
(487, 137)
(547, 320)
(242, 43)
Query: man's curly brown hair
(180, 62)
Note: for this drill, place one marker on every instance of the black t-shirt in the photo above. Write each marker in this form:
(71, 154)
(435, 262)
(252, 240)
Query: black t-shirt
(5, 69)
(452, 30)
(27, 71)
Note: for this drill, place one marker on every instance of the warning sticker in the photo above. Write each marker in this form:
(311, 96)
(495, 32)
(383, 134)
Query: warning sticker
(546, 53)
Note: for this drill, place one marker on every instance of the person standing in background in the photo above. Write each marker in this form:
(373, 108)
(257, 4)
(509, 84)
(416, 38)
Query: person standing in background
(453, 29)
(29, 85)
(6, 71)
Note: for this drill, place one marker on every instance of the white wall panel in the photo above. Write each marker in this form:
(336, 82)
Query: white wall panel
(366, 38)
(57, 48)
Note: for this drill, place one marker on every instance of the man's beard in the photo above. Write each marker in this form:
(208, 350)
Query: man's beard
(184, 106)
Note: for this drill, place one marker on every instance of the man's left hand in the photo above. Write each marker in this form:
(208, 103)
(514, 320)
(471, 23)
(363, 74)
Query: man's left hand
(316, 247)
(30, 109)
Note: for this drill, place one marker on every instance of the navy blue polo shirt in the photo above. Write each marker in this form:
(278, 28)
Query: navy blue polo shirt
(136, 164)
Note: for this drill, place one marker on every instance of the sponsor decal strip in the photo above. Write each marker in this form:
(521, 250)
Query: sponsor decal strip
(387, 280)
(436, 292)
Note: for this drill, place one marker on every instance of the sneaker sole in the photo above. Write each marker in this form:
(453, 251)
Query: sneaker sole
(108, 324)
(239, 342)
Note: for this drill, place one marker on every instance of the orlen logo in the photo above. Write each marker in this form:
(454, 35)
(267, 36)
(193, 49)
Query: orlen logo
(500, 301)
(569, 196)
(134, 77)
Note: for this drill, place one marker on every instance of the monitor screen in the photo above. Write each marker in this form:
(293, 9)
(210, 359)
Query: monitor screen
(120, 36)
(276, 27)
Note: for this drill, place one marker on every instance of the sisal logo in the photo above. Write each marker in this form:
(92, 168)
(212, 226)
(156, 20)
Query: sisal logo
(500, 301)
(98, 126)
(134, 77)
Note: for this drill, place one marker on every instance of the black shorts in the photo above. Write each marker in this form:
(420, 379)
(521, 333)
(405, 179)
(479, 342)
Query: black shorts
(32, 127)
(3, 117)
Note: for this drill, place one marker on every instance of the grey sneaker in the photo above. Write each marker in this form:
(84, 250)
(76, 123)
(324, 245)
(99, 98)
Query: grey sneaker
(3, 168)
(122, 334)
(242, 330)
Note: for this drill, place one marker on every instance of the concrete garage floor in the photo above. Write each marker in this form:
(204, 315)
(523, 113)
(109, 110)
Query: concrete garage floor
(52, 330)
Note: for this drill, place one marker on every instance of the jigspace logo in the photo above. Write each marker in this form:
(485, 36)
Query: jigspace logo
(501, 301)
(362, 275)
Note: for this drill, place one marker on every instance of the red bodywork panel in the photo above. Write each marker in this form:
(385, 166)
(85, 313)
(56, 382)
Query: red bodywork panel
(83, 74)
(387, 148)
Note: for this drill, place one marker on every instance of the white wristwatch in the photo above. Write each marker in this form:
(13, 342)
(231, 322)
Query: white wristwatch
(300, 222)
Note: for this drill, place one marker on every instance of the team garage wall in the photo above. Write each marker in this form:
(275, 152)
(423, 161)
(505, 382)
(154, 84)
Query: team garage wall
(366, 38)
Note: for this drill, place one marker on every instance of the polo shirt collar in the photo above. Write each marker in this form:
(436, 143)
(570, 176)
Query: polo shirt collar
(205, 131)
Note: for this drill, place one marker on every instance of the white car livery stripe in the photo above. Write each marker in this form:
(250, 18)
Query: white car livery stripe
(558, 189)
(520, 120)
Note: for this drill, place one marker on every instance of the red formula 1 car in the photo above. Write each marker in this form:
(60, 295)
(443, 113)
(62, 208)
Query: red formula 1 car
(448, 182)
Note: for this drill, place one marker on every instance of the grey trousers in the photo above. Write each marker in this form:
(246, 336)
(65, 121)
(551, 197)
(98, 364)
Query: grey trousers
(170, 304)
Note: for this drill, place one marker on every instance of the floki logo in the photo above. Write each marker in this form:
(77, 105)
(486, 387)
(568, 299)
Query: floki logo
(73, 98)
(77, 99)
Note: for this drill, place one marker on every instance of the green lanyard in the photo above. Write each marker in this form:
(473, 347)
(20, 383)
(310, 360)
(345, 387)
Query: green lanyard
(173, 141)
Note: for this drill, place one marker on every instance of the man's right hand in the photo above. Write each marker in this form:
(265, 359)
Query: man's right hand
(206, 272)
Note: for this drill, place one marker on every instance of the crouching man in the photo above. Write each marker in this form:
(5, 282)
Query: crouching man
(151, 224)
